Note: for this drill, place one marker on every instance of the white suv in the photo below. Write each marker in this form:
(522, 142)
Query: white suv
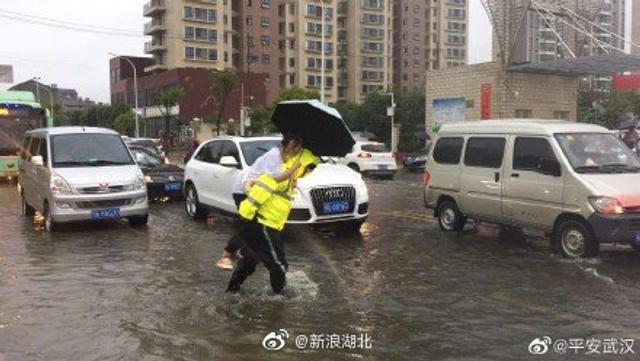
(371, 158)
(330, 193)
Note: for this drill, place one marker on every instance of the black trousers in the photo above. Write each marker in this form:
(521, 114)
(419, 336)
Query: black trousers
(263, 245)
(235, 242)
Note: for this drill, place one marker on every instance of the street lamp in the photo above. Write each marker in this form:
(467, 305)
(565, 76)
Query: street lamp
(391, 112)
(135, 89)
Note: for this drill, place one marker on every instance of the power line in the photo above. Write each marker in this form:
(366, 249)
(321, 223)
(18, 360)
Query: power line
(50, 61)
(67, 22)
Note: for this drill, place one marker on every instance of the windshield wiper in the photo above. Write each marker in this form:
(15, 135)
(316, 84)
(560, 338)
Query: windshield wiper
(69, 163)
(107, 162)
(621, 167)
(588, 169)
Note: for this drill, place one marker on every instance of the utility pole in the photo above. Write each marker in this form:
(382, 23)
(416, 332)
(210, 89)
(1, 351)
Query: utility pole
(391, 110)
(322, 55)
(135, 90)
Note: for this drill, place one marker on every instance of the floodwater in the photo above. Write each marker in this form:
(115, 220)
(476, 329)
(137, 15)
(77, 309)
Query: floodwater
(110, 292)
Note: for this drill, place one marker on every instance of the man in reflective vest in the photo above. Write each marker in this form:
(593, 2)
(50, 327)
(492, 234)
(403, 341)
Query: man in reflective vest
(266, 210)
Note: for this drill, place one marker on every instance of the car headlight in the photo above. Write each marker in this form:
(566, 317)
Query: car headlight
(140, 182)
(59, 185)
(606, 205)
(148, 179)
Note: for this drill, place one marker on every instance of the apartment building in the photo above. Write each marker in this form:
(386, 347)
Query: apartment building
(365, 31)
(189, 33)
(428, 35)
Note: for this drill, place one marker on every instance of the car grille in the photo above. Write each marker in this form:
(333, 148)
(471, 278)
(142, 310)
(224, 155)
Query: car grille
(321, 195)
(110, 203)
(101, 190)
(635, 209)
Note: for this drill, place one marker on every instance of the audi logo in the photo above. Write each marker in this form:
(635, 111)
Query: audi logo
(334, 193)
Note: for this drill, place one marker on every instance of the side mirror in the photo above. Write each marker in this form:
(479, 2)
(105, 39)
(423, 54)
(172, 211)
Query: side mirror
(550, 166)
(139, 158)
(229, 161)
(37, 160)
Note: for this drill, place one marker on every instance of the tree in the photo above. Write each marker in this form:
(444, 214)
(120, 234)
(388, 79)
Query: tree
(224, 82)
(295, 93)
(167, 99)
(125, 123)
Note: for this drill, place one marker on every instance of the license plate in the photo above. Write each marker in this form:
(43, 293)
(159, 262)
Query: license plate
(105, 213)
(383, 167)
(336, 207)
(173, 186)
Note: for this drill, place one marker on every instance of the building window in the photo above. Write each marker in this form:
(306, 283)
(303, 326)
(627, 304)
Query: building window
(561, 114)
(249, 20)
(523, 113)
(189, 32)
(265, 4)
(189, 52)
(188, 12)
(455, 13)
(265, 22)
(265, 40)
(213, 54)
(212, 16)
(266, 59)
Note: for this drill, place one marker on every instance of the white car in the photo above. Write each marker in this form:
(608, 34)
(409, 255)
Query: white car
(330, 193)
(80, 173)
(371, 158)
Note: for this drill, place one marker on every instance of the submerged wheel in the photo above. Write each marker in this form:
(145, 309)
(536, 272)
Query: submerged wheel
(576, 240)
(49, 224)
(449, 217)
(138, 221)
(192, 204)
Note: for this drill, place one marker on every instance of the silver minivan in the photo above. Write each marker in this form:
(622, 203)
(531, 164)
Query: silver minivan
(80, 173)
(577, 182)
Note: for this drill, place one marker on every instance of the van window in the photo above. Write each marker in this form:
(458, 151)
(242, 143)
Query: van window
(35, 147)
(44, 151)
(484, 152)
(229, 149)
(448, 150)
(375, 148)
(88, 150)
(529, 152)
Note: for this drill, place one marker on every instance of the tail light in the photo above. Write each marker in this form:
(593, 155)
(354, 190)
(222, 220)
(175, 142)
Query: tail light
(364, 155)
(425, 178)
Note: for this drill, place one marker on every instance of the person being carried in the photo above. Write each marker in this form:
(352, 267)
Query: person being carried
(265, 212)
(271, 163)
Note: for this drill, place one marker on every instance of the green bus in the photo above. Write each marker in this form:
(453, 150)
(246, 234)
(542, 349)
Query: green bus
(19, 112)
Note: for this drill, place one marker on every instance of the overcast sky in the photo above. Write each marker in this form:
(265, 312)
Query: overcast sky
(79, 60)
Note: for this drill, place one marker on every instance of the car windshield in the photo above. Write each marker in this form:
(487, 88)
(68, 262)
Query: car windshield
(145, 158)
(375, 148)
(252, 150)
(88, 149)
(598, 153)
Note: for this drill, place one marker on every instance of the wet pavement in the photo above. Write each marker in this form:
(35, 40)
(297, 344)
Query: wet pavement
(110, 292)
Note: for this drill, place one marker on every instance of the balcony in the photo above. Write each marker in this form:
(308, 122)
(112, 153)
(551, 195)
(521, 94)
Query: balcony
(153, 7)
(153, 27)
(151, 47)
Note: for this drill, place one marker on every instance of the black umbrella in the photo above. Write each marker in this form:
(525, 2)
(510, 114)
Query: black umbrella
(320, 126)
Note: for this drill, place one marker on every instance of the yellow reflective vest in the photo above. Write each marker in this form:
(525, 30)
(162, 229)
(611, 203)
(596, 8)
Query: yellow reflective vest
(270, 201)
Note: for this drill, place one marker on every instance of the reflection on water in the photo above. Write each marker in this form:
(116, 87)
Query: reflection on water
(110, 292)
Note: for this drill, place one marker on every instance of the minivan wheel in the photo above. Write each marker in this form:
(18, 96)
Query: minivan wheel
(449, 217)
(49, 224)
(353, 226)
(192, 204)
(354, 167)
(575, 240)
(27, 210)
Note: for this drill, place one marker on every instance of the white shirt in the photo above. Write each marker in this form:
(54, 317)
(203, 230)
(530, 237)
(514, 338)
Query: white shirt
(270, 163)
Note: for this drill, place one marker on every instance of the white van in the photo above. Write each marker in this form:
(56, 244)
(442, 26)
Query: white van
(577, 182)
(80, 173)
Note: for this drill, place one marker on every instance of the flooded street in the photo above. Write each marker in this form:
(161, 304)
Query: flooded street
(111, 292)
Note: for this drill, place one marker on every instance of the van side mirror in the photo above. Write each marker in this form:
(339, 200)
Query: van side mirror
(37, 160)
(549, 166)
(229, 161)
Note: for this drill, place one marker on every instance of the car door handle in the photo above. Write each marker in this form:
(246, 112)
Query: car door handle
(496, 177)
(515, 175)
